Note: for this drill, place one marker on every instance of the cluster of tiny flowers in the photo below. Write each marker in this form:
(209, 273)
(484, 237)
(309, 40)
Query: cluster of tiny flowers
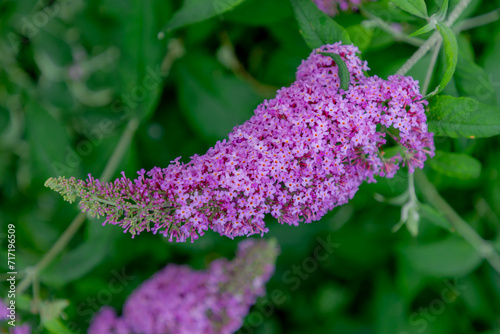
(21, 329)
(182, 301)
(4, 311)
(300, 155)
(17, 329)
(331, 7)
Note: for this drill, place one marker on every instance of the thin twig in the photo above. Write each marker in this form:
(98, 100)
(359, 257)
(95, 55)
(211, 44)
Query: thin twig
(430, 70)
(175, 51)
(422, 51)
(478, 21)
(457, 11)
(398, 35)
(435, 37)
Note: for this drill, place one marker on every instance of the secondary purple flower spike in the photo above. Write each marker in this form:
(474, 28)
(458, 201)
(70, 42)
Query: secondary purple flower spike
(303, 153)
(21, 329)
(18, 329)
(182, 301)
(4, 311)
(331, 7)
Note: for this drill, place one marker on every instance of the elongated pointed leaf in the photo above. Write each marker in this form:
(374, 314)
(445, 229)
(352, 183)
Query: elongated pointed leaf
(430, 214)
(316, 27)
(461, 166)
(473, 81)
(441, 14)
(447, 258)
(194, 11)
(462, 117)
(361, 36)
(80, 260)
(451, 53)
(260, 12)
(213, 107)
(142, 53)
(415, 7)
(49, 153)
(50, 316)
(425, 29)
(344, 75)
(491, 65)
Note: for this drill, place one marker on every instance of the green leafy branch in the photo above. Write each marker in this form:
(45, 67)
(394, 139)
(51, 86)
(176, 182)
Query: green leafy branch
(74, 226)
(449, 116)
(452, 117)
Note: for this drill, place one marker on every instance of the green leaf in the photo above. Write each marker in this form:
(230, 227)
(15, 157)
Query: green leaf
(430, 214)
(83, 258)
(194, 11)
(462, 117)
(344, 75)
(491, 65)
(260, 12)
(50, 316)
(458, 165)
(415, 7)
(330, 297)
(451, 53)
(388, 11)
(419, 70)
(361, 36)
(56, 326)
(213, 106)
(76, 263)
(50, 150)
(316, 27)
(472, 81)
(450, 257)
(425, 29)
(465, 48)
(142, 55)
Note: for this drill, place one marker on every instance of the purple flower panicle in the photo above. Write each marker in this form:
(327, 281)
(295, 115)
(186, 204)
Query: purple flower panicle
(21, 329)
(4, 311)
(182, 301)
(300, 155)
(17, 329)
(332, 7)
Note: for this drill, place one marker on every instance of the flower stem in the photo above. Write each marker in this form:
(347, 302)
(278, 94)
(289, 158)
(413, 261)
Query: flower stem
(430, 70)
(457, 11)
(422, 51)
(479, 21)
(411, 188)
(435, 37)
(482, 246)
(77, 222)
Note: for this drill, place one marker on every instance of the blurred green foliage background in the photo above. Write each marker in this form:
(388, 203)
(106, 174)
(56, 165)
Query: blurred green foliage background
(73, 73)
